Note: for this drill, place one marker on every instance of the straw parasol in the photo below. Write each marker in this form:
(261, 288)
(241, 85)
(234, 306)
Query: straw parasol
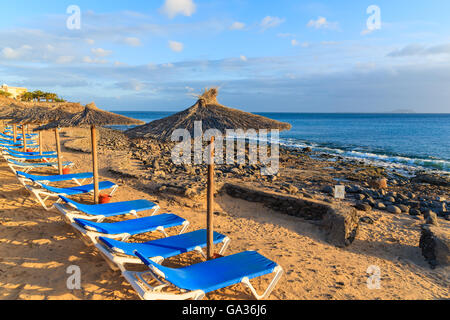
(91, 117)
(10, 112)
(41, 115)
(213, 115)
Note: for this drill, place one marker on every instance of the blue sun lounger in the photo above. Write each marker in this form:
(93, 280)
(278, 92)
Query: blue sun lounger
(204, 277)
(54, 192)
(31, 153)
(99, 212)
(119, 253)
(17, 156)
(123, 230)
(28, 166)
(26, 177)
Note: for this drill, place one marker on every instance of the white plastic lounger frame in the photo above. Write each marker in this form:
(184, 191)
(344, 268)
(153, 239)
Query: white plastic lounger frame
(27, 169)
(39, 193)
(147, 292)
(119, 260)
(94, 235)
(24, 180)
(71, 214)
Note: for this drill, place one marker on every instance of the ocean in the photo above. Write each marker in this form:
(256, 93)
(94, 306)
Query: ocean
(419, 141)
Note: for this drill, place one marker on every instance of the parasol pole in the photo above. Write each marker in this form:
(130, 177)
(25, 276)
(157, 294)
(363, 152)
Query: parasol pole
(15, 133)
(24, 139)
(95, 163)
(210, 204)
(58, 150)
(40, 143)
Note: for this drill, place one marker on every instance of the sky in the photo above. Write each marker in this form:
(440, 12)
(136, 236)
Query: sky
(264, 55)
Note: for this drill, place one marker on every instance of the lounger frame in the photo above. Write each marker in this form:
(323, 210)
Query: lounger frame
(147, 292)
(39, 193)
(118, 261)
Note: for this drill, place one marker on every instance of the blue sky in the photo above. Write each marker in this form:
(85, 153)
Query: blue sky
(286, 56)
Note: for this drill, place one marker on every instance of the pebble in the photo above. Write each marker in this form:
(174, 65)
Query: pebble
(394, 209)
(363, 206)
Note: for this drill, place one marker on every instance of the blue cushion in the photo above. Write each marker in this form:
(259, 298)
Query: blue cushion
(55, 178)
(134, 226)
(165, 247)
(216, 274)
(79, 189)
(112, 209)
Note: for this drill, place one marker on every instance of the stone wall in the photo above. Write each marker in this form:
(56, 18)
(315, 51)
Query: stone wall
(340, 222)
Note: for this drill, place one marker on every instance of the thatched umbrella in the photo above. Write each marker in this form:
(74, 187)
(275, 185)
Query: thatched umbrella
(91, 117)
(213, 115)
(40, 115)
(10, 112)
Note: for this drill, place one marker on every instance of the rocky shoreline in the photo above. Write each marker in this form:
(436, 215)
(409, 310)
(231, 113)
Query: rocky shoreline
(302, 172)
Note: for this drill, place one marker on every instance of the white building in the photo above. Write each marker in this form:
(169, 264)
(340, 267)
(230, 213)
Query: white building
(15, 91)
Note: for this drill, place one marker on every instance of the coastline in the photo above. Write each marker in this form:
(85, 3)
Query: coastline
(37, 246)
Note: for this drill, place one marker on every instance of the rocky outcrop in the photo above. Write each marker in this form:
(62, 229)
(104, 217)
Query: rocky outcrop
(435, 245)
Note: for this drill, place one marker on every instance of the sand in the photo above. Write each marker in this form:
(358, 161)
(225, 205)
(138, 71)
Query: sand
(37, 247)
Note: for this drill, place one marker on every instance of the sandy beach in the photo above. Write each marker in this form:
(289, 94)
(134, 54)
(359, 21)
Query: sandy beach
(37, 246)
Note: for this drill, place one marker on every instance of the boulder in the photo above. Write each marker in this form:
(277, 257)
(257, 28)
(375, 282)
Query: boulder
(341, 224)
(363, 206)
(432, 219)
(379, 183)
(435, 245)
(435, 179)
(394, 209)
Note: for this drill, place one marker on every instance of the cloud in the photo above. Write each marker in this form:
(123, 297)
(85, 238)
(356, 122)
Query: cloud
(88, 59)
(176, 46)
(420, 50)
(133, 41)
(90, 41)
(294, 42)
(65, 59)
(13, 54)
(271, 22)
(237, 26)
(133, 85)
(243, 58)
(172, 8)
(99, 52)
(366, 32)
(322, 23)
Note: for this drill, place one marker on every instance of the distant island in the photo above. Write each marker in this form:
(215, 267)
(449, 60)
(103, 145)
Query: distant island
(403, 111)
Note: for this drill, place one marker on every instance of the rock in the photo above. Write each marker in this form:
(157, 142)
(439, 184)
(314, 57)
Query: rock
(432, 219)
(292, 189)
(390, 199)
(404, 208)
(414, 212)
(363, 206)
(353, 189)
(436, 180)
(380, 205)
(341, 224)
(360, 197)
(367, 220)
(328, 189)
(435, 245)
(307, 150)
(379, 183)
(393, 209)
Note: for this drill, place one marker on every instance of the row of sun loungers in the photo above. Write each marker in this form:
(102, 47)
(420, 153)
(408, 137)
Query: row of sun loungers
(112, 238)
